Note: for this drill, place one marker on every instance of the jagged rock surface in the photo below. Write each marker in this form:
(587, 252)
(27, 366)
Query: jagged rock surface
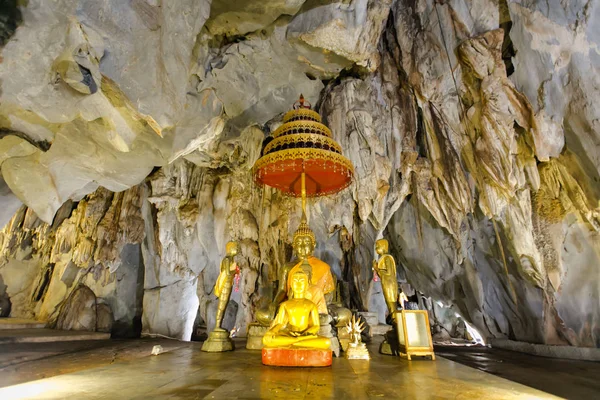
(88, 257)
(79, 311)
(472, 127)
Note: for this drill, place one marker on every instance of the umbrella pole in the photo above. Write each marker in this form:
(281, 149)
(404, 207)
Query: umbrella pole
(303, 193)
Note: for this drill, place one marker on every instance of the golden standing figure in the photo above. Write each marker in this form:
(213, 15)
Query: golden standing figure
(218, 340)
(386, 269)
(297, 322)
(225, 281)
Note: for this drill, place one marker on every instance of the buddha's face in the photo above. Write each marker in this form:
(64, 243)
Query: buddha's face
(304, 246)
(299, 284)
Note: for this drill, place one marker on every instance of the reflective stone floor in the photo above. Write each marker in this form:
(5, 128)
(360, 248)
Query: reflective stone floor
(187, 373)
(566, 378)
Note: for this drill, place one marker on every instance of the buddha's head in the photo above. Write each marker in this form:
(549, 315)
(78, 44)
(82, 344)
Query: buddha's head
(300, 282)
(304, 240)
(382, 246)
(231, 248)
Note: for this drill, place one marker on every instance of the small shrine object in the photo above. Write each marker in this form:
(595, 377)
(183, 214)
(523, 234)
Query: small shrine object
(356, 349)
(414, 333)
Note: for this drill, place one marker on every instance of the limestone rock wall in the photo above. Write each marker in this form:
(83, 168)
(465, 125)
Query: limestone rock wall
(472, 127)
(506, 261)
(88, 261)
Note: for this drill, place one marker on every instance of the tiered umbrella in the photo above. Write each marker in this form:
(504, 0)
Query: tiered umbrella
(302, 159)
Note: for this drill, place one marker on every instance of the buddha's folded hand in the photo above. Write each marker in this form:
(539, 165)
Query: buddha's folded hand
(312, 330)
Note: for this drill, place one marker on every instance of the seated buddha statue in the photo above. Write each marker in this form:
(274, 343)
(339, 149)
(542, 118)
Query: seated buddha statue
(319, 272)
(297, 322)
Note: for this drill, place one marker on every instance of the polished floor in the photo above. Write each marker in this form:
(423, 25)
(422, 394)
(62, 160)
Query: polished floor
(565, 378)
(187, 373)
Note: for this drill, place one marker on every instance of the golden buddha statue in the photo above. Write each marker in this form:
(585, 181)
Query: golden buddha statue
(218, 340)
(225, 281)
(386, 269)
(297, 322)
(321, 280)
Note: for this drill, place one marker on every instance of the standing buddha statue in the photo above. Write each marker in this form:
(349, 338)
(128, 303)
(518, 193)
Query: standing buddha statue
(218, 340)
(225, 281)
(386, 269)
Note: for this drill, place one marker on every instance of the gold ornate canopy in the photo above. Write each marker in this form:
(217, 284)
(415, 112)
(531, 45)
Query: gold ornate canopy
(303, 159)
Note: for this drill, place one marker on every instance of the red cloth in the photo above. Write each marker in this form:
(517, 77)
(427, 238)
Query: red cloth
(296, 357)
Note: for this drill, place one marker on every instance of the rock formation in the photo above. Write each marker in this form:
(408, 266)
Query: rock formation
(129, 130)
(88, 259)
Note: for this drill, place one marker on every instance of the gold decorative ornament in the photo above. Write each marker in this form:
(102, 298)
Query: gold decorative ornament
(356, 349)
(304, 231)
(298, 140)
(301, 114)
(302, 159)
(299, 126)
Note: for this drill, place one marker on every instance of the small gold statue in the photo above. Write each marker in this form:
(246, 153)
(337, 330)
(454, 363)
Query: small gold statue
(297, 322)
(356, 350)
(386, 269)
(321, 280)
(218, 340)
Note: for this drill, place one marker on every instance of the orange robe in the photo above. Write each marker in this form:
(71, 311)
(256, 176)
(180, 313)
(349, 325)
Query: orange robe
(321, 283)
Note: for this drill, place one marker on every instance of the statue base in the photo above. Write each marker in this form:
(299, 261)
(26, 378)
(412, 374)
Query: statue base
(296, 357)
(326, 331)
(255, 336)
(344, 338)
(357, 351)
(390, 346)
(218, 341)
(385, 348)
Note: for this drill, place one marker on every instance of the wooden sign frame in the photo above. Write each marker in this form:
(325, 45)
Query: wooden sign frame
(406, 334)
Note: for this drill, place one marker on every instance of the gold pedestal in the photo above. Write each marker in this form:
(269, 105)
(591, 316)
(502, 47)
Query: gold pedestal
(296, 357)
(386, 349)
(326, 331)
(357, 351)
(218, 341)
(344, 338)
(390, 346)
(255, 336)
